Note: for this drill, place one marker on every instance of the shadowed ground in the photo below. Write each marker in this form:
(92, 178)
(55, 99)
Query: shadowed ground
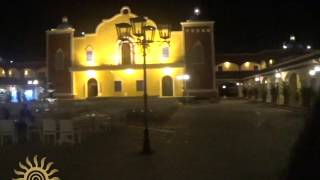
(230, 140)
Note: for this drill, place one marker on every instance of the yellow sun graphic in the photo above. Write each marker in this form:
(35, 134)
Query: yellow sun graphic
(36, 171)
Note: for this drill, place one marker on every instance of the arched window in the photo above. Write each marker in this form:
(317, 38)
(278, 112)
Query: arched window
(127, 53)
(89, 54)
(59, 59)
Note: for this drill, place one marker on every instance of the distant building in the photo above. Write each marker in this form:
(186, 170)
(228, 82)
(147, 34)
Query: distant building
(285, 76)
(21, 81)
(99, 65)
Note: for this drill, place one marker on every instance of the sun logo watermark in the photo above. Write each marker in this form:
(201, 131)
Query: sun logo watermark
(38, 170)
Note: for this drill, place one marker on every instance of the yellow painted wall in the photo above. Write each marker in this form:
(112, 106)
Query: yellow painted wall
(249, 66)
(106, 78)
(107, 51)
(228, 66)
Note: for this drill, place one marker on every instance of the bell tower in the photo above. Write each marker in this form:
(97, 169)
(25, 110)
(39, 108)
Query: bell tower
(199, 50)
(59, 59)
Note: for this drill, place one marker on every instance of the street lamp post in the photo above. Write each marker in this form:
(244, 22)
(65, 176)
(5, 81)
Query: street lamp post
(145, 35)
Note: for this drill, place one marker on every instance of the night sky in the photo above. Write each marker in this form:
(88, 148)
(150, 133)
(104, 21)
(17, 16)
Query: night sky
(240, 27)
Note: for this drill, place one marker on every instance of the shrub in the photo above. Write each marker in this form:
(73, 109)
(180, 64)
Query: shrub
(307, 93)
(264, 94)
(286, 94)
(274, 93)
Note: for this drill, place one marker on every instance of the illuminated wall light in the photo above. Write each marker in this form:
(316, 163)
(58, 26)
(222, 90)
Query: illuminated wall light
(256, 79)
(224, 87)
(35, 82)
(309, 47)
(312, 72)
(238, 84)
(167, 71)
(10, 72)
(91, 74)
(284, 46)
(129, 71)
(183, 77)
(270, 61)
(26, 72)
(247, 64)
(317, 68)
(186, 77)
(292, 38)
(278, 75)
(266, 81)
(3, 72)
(227, 65)
(29, 82)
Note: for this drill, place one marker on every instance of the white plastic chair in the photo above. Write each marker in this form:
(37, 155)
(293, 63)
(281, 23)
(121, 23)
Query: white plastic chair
(49, 131)
(7, 130)
(66, 132)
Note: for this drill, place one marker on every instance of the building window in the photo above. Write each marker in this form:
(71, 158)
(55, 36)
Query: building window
(89, 54)
(165, 52)
(139, 85)
(220, 68)
(126, 53)
(255, 68)
(59, 59)
(117, 86)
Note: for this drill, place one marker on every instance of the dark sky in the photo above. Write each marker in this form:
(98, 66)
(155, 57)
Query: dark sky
(240, 27)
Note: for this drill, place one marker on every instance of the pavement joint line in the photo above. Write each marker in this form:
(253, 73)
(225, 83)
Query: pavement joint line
(155, 129)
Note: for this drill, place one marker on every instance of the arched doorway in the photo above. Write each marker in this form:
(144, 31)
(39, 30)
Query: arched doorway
(92, 88)
(293, 89)
(167, 86)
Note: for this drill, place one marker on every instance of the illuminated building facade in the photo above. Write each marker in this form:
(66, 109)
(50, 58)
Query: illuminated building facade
(100, 65)
(21, 81)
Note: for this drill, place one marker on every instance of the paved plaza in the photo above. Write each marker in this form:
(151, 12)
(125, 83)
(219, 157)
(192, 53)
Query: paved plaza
(233, 139)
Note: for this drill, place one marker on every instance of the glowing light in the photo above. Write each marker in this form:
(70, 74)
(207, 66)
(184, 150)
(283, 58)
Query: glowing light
(317, 68)
(129, 71)
(266, 81)
(312, 72)
(238, 84)
(29, 82)
(28, 94)
(167, 71)
(11, 62)
(183, 77)
(197, 11)
(224, 87)
(10, 72)
(35, 82)
(26, 72)
(284, 46)
(91, 74)
(292, 38)
(13, 91)
(309, 47)
(278, 75)
(270, 61)
(257, 79)
(247, 64)
(227, 64)
(83, 33)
